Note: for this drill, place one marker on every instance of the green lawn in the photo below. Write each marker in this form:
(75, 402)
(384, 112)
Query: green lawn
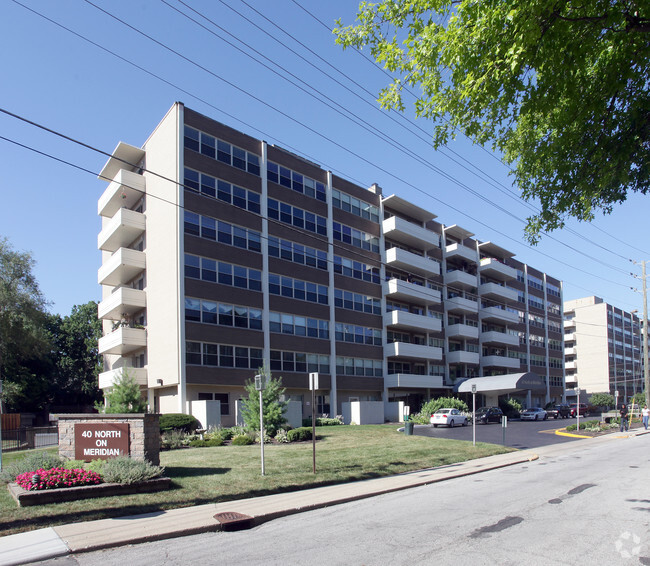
(209, 475)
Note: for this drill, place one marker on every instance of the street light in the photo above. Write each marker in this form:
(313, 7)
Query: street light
(260, 384)
(473, 414)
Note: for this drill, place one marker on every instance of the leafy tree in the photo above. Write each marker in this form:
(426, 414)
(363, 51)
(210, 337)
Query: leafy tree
(75, 355)
(272, 407)
(24, 343)
(639, 399)
(602, 400)
(433, 405)
(124, 396)
(561, 89)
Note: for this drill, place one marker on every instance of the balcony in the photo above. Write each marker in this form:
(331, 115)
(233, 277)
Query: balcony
(570, 337)
(123, 301)
(123, 341)
(408, 321)
(121, 267)
(415, 236)
(570, 351)
(460, 279)
(123, 192)
(496, 269)
(461, 331)
(571, 365)
(497, 292)
(412, 351)
(501, 362)
(108, 378)
(495, 337)
(412, 263)
(463, 357)
(413, 381)
(461, 305)
(399, 290)
(458, 251)
(569, 323)
(498, 314)
(121, 230)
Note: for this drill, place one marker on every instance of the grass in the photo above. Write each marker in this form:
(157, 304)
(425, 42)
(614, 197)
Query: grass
(212, 475)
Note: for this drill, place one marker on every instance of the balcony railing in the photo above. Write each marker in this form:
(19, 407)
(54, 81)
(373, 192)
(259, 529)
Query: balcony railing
(412, 351)
(401, 320)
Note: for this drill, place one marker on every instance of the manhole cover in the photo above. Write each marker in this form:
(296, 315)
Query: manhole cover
(233, 521)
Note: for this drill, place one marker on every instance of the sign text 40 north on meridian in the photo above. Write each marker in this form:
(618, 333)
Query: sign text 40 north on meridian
(94, 441)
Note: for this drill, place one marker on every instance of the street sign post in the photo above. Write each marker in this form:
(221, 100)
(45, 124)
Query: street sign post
(260, 385)
(473, 414)
(313, 385)
(504, 426)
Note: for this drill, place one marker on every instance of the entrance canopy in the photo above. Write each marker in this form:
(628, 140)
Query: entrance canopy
(502, 384)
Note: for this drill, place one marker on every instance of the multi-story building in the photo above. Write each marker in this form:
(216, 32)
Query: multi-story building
(602, 348)
(222, 254)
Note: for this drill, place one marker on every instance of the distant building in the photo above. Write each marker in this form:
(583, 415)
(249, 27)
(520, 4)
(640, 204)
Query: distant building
(602, 347)
(222, 253)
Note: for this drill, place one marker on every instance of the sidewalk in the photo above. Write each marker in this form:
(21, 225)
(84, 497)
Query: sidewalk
(87, 536)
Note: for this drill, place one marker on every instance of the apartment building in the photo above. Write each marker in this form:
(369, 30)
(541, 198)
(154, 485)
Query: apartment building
(222, 253)
(602, 348)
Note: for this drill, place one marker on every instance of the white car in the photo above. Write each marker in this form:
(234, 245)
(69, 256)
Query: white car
(534, 414)
(449, 417)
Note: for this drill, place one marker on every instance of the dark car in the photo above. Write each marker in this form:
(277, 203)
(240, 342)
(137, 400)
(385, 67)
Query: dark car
(486, 415)
(581, 408)
(558, 412)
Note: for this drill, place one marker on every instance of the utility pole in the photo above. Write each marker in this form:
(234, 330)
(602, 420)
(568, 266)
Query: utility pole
(646, 369)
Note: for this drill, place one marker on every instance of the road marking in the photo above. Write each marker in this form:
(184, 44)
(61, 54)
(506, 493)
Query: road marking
(550, 430)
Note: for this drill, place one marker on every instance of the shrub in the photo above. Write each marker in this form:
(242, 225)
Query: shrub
(56, 478)
(173, 439)
(281, 436)
(179, 421)
(299, 434)
(222, 433)
(321, 421)
(125, 470)
(242, 440)
(511, 407)
(433, 405)
(31, 462)
(584, 425)
(214, 441)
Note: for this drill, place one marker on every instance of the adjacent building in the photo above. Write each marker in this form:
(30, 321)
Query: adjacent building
(602, 348)
(222, 253)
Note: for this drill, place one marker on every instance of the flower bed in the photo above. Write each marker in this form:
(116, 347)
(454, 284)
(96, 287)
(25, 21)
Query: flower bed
(57, 478)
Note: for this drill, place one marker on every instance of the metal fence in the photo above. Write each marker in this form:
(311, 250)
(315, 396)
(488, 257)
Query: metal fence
(30, 437)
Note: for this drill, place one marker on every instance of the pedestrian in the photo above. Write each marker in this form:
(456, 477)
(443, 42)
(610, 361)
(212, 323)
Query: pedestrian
(623, 412)
(645, 412)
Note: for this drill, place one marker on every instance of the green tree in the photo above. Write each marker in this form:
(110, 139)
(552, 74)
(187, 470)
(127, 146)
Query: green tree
(602, 400)
(272, 407)
(434, 405)
(24, 342)
(560, 89)
(639, 399)
(75, 356)
(124, 396)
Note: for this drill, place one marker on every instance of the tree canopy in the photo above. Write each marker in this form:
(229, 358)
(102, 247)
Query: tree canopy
(560, 89)
(272, 407)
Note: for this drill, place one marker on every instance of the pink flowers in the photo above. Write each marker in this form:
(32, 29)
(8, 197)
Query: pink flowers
(56, 478)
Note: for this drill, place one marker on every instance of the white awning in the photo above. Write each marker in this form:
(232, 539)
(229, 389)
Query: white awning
(502, 384)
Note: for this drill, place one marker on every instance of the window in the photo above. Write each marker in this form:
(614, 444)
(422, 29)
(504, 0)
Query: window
(209, 146)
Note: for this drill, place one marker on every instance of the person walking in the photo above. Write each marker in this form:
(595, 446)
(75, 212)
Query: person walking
(645, 413)
(623, 412)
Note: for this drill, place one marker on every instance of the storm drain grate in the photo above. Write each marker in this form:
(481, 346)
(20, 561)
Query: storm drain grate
(233, 521)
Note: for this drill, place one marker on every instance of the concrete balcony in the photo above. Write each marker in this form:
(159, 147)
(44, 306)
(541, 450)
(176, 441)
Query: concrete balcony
(501, 362)
(123, 301)
(494, 337)
(408, 321)
(412, 263)
(123, 341)
(570, 351)
(399, 290)
(498, 314)
(461, 305)
(460, 279)
(123, 191)
(108, 378)
(121, 267)
(497, 292)
(463, 357)
(411, 381)
(462, 331)
(415, 236)
(569, 323)
(121, 230)
(497, 270)
(571, 365)
(570, 337)
(412, 351)
(458, 251)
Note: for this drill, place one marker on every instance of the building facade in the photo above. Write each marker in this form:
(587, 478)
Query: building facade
(222, 254)
(602, 348)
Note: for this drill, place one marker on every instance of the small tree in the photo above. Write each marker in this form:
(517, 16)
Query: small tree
(639, 399)
(604, 400)
(433, 405)
(125, 396)
(272, 407)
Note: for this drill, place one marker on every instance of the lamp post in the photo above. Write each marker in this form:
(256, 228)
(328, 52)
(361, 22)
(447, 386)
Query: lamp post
(473, 414)
(260, 384)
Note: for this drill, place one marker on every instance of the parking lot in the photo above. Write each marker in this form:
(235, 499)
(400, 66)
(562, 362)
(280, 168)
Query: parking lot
(517, 434)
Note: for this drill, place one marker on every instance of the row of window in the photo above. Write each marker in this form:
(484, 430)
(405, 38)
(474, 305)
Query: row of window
(295, 181)
(359, 366)
(222, 232)
(221, 272)
(297, 217)
(221, 151)
(298, 325)
(297, 253)
(220, 355)
(297, 289)
(357, 334)
(354, 237)
(356, 302)
(299, 361)
(224, 314)
(354, 205)
(356, 269)
(222, 190)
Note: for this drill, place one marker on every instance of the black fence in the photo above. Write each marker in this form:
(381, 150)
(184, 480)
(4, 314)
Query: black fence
(29, 437)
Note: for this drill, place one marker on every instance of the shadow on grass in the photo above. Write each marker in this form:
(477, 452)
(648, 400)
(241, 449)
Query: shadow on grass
(190, 471)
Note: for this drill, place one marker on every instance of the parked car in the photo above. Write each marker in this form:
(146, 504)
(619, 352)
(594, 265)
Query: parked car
(559, 411)
(449, 417)
(486, 415)
(534, 414)
(581, 408)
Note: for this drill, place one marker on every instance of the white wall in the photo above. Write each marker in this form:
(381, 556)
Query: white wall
(363, 412)
(208, 413)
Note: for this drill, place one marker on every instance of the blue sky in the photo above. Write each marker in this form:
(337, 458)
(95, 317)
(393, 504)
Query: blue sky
(296, 89)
